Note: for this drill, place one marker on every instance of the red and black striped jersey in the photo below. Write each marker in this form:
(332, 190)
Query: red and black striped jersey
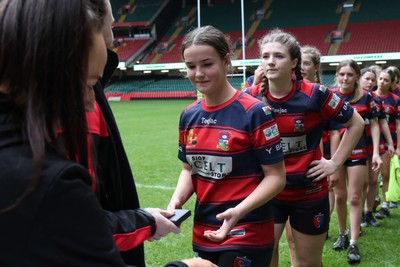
(225, 146)
(368, 110)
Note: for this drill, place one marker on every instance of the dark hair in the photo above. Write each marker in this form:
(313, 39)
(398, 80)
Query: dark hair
(97, 12)
(391, 73)
(207, 35)
(293, 46)
(44, 47)
(358, 91)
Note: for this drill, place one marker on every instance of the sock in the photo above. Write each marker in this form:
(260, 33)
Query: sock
(343, 232)
(384, 205)
(353, 242)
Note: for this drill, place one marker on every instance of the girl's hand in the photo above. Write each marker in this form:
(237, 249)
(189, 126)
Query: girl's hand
(230, 217)
(320, 169)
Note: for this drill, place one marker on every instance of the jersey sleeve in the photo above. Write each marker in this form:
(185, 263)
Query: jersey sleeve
(265, 135)
(397, 107)
(372, 108)
(131, 228)
(183, 139)
(332, 107)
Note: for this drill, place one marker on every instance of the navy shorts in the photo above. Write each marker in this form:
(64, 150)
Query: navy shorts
(310, 218)
(238, 258)
(355, 162)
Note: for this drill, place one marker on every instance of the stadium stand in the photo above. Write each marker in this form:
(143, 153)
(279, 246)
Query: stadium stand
(334, 27)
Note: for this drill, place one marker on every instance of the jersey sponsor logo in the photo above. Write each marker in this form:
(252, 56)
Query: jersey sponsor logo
(191, 138)
(267, 110)
(236, 232)
(318, 220)
(223, 142)
(313, 191)
(271, 132)
(295, 144)
(279, 110)
(208, 121)
(213, 167)
(334, 101)
(356, 151)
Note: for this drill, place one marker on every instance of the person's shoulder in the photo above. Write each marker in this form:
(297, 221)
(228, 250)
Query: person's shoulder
(195, 104)
(57, 168)
(249, 100)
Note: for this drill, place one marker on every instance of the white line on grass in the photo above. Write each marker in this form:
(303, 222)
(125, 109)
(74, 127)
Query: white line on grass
(156, 187)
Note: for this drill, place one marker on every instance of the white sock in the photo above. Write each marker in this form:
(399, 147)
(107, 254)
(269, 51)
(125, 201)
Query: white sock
(353, 242)
(385, 205)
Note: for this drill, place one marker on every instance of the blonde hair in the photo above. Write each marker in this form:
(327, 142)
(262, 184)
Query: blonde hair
(315, 57)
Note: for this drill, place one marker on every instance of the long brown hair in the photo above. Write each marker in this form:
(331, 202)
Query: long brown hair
(43, 66)
(293, 46)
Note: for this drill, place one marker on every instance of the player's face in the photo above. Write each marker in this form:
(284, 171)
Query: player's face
(368, 81)
(97, 62)
(384, 82)
(346, 78)
(205, 68)
(276, 61)
(308, 69)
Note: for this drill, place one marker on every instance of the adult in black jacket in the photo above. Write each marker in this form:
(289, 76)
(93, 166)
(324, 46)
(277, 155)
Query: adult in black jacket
(49, 215)
(115, 188)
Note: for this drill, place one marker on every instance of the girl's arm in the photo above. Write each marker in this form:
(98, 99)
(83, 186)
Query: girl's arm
(319, 169)
(183, 190)
(274, 181)
(388, 136)
(375, 134)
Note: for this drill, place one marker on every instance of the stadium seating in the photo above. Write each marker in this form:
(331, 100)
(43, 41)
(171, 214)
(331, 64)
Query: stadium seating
(367, 29)
(372, 37)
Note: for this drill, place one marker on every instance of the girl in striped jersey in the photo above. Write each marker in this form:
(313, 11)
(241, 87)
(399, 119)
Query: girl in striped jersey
(301, 109)
(368, 82)
(232, 158)
(391, 107)
(353, 173)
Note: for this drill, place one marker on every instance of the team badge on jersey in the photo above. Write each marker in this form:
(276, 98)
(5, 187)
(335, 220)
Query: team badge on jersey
(223, 142)
(241, 262)
(318, 220)
(372, 104)
(191, 137)
(298, 124)
(322, 88)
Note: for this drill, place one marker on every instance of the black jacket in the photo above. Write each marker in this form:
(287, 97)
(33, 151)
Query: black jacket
(117, 190)
(61, 222)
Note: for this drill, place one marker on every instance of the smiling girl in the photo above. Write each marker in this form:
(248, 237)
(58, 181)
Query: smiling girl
(229, 145)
